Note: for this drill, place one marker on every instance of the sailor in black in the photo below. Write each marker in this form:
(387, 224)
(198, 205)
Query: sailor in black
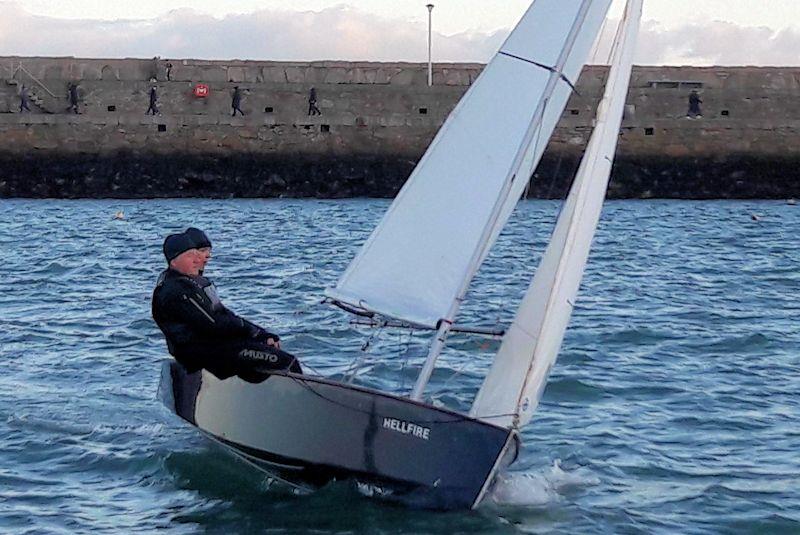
(200, 331)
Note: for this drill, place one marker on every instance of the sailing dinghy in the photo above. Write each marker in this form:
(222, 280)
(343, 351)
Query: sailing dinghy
(414, 271)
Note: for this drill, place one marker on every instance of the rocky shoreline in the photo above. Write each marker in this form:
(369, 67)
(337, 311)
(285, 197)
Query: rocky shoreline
(129, 175)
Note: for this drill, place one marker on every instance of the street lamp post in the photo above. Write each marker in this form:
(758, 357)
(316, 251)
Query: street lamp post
(430, 64)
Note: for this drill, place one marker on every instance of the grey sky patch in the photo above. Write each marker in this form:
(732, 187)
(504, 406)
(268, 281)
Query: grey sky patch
(348, 34)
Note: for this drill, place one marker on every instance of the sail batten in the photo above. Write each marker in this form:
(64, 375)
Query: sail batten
(417, 261)
(530, 346)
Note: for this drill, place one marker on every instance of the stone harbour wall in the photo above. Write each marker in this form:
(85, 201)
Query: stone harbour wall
(377, 120)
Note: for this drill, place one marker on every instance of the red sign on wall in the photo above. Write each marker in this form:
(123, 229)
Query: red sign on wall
(200, 91)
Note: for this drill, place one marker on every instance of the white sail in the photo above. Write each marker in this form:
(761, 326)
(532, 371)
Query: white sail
(511, 391)
(429, 244)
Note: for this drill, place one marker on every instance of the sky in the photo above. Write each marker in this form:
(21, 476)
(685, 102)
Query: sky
(674, 32)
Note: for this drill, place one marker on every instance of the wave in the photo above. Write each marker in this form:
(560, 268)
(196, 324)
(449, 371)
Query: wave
(539, 488)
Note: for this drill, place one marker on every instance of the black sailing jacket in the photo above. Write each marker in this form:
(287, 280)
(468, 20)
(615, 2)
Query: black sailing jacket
(200, 331)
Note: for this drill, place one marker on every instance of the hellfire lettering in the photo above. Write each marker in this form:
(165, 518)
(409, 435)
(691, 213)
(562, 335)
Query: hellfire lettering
(407, 428)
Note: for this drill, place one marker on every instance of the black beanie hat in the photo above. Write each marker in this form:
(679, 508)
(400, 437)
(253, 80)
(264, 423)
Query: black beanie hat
(198, 237)
(176, 244)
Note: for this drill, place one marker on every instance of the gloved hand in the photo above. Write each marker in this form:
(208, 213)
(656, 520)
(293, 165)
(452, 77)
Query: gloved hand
(272, 340)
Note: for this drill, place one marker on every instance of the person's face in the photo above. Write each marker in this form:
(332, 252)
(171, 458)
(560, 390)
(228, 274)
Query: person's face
(204, 253)
(188, 263)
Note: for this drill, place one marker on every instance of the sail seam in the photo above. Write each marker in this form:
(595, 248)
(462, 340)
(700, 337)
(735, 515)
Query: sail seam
(542, 66)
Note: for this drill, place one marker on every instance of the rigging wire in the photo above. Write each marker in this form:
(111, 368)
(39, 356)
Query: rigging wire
(556, 171)
(456, 417)
(599, 43)
(406, 352)
(359, 361)
(315, 371)
(577, 162)
(617, 38)
(458, 372)
(482, 346)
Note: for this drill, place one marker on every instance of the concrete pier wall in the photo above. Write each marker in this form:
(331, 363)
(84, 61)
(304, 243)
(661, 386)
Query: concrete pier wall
(377, 119)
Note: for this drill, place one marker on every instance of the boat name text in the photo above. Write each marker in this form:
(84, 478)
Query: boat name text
(407, 428)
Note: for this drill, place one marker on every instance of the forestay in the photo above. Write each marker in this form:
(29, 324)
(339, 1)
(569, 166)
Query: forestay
(511, 391)
(422, 254)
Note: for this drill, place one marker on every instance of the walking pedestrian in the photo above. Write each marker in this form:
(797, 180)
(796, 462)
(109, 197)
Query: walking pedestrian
(154, 68)
(153, 100)
(694, 105)
(23, 99)
(236, 101)
(72, 95)
(169, 71)
(312, 102)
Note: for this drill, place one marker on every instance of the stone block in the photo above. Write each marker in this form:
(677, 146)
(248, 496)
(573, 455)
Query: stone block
(236, 74)
(295, 75)
(180, 73)
(86, 146)
(337, 76)
(149, 120)
(211, 74)
(109, 73)
(91, 72)
(54, 72)
(129, 119)
(252, 75)
(403, 77)
(273, 75)
(676, 150)
(232, 142)
(394, 119)
(363, 75)
(454, 77)
(46, 144)
(576, 140)
(315, 75)
(420, 77)
(384, 75)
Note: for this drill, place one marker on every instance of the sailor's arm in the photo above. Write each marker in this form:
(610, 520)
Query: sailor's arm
(264, 335)
(193, 310)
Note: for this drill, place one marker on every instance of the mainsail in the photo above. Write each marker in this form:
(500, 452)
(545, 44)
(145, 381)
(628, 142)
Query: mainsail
(418, 261)
(511, 391)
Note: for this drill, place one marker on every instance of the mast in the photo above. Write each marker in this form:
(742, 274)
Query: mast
(490, 229)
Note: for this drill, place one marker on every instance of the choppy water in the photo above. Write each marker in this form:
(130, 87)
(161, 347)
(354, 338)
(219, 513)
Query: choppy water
(674, 407)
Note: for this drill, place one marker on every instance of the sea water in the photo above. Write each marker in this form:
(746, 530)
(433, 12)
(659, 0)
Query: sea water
(674, 406)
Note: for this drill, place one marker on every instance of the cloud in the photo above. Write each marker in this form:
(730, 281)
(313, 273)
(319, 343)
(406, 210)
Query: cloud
(349, 34)
(718, 43)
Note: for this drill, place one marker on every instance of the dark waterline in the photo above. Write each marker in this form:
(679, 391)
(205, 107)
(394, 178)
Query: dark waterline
(674, 407)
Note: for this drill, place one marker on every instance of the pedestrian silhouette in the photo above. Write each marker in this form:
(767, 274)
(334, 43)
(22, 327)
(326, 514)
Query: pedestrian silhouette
(72, 96)
(236, 101)
(23, 99)
(154, 67)
(153, 100)
(312, 102)
(694, 105)
(169, 71)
